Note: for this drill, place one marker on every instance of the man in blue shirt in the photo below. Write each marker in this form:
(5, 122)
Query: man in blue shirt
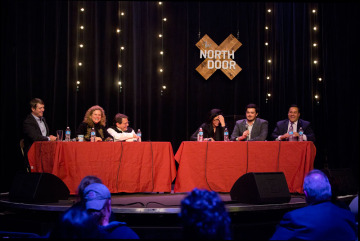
(35, 127)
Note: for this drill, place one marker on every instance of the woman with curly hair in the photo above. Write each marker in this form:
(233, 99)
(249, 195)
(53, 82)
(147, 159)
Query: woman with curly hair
(94, 118)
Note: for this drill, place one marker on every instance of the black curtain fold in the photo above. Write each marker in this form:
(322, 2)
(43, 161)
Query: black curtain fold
(40, 55)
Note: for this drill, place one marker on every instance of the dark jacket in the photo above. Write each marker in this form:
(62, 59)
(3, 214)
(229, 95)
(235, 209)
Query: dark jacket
(322, 221)
(282, 128)
(208, 131)
(32, 132)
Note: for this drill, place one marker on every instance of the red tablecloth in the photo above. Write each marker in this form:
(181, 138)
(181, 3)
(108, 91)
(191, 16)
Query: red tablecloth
(217, 165)
(122, 166)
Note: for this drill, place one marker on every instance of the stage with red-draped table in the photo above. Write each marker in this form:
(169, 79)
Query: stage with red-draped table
(217, 165)
(122, 166)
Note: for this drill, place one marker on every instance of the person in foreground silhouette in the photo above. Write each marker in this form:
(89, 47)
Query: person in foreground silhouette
(203, 216)
(76, 223)
(91, 216)
(86, 181)
(97, 199)
(320, 219)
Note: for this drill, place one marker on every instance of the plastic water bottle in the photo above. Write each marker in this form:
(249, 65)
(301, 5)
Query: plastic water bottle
(200, 136)
(93, 135)
(138, 133)
(301, 134)
(67, 134)
(226, 134)
(291, 133)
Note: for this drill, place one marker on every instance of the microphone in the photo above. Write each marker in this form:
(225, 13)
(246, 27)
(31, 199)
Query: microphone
(247, 128)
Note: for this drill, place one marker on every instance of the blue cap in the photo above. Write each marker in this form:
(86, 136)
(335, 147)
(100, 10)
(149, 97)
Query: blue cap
(96, 195)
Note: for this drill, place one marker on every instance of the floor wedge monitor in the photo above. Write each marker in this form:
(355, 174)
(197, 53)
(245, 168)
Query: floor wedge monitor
(261, 188)
(38, 188)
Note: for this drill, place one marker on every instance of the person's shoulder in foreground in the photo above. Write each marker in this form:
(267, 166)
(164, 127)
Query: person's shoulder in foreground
(321, 219)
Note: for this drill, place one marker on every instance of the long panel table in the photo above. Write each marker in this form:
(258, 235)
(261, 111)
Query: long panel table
(217, 165)
(122, 166)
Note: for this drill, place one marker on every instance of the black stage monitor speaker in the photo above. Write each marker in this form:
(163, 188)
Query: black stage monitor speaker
(38, 188)
(261, 188)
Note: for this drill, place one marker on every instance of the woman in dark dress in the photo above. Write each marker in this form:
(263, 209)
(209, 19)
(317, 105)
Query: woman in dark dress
(213, 128)
(94, 118)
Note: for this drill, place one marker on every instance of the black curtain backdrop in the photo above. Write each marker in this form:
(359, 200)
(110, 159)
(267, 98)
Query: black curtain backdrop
(40, 55)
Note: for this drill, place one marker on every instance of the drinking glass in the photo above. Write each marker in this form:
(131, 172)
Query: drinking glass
(59, 135)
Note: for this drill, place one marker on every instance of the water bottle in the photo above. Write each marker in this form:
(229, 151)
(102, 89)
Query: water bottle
(226, 134)
(138, 133)
(291, 133)
(301, 133)
(93, 135)
(200, 136)
(67, 134)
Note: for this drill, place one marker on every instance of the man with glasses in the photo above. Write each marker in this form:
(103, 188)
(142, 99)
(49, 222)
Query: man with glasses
(121, 131)
(251, 128)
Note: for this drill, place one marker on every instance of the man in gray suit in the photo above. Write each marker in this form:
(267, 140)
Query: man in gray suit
(251, 128)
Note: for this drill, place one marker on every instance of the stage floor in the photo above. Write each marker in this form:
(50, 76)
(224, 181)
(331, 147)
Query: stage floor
(168, 203)
(151, 215)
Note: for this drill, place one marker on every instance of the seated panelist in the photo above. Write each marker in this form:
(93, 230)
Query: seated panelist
(213, 128)
(94, 118)
(251, 128)
(121, 131)
(281, 130)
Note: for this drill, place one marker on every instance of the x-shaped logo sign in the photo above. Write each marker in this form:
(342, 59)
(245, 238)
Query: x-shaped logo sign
(229, 44)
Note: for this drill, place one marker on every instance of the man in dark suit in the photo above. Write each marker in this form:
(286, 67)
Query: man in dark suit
(320, 219)
(280, 132)
(35, 127)
(251, 128)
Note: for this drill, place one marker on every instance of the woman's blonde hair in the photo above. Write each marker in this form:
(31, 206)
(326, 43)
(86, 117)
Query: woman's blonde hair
(87, 117)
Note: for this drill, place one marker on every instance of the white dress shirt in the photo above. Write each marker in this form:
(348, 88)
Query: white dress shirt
(122, 136)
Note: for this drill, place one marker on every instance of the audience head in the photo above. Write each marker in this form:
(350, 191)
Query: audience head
(37, 107)
(95, 115)
(204, 216)
(86, 181)
(317, 187)
(97, 201)
(76, 223)
(294, 113)
(121, 121)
